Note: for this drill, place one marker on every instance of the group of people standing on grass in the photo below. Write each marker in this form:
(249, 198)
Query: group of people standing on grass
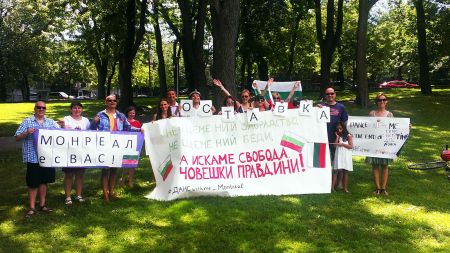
(38, 178)
(110, 119)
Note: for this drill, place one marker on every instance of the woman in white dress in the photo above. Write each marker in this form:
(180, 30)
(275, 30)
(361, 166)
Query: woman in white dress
(343, 154)
(74, 121)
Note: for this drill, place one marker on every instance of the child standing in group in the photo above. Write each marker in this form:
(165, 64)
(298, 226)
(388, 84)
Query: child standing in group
(343, 154)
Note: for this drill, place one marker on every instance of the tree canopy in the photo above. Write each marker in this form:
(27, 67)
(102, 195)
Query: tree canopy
(133, 47)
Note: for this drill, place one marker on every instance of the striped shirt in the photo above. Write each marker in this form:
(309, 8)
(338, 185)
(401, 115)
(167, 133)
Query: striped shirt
(29, 150)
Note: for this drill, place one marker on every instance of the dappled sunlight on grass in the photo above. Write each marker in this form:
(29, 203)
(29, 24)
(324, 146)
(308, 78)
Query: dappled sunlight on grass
(197, 215)
(96, 238)
(411, 215)
(287, 245)
(7, 228)
(292, 200)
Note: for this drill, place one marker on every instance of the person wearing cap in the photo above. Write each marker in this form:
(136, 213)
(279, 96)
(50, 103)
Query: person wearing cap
(195, 96)
(37, 177)
(110, 119)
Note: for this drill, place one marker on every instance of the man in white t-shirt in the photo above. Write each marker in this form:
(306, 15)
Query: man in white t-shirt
(172, 98)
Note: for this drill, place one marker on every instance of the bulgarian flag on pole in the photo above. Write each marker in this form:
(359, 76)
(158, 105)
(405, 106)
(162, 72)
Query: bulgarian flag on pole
(293, 141)
(284, 88)
(165, 168)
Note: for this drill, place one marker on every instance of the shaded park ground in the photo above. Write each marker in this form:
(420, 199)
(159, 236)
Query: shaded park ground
(415, 217)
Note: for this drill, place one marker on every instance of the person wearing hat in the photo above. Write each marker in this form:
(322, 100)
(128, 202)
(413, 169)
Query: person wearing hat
(195, 96)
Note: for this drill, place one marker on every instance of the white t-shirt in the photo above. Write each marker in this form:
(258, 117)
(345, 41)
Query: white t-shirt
(71, 123)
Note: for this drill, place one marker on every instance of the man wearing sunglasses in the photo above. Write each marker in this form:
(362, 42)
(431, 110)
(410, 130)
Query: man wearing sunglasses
(110, 119)
(338, 112)
(37, 177)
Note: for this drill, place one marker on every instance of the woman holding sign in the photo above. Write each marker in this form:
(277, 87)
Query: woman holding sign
(380, 163)
(74, 121)
(164, 110)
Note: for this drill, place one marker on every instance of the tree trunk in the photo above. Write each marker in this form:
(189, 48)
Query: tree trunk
(132, 41)
(329, 42)
(110, 77)
(294, 34)
(225, 28)
(25, 88)
(424, 79)
(249, 64)
(362, 97)
(192, 45)
(175, 62)
(263, 69)
(102, 72)
(159, 51)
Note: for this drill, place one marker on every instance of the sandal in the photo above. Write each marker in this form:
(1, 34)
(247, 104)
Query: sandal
(80, 199)
(384, 192)
(377, 192)
(30, 212)
(46, 209)
(68, 201)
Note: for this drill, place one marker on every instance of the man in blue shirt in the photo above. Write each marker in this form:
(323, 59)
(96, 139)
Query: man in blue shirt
(37, 177)
(337, 113)
(110, 119)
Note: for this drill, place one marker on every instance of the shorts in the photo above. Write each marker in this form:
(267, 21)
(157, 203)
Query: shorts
(37, 175)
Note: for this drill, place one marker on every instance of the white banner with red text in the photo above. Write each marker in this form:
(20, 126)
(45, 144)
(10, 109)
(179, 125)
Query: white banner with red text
(253, 153)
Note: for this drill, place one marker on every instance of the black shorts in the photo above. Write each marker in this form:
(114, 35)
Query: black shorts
(37, 175)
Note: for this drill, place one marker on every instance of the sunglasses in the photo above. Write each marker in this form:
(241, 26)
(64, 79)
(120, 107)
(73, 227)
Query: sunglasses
(111, 101)
(330, 94)
(40, 107)
(381, 100)
(244, 96)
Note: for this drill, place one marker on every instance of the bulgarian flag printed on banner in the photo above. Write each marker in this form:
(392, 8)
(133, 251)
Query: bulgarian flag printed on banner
(293, 141)
(319, 155)
(130, 160)
(284, 88)
(165, 168)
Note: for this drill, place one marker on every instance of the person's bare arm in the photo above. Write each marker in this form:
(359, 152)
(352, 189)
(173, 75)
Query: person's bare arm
(294, 88)
(269, 82)
(25, 134)
(219, 84)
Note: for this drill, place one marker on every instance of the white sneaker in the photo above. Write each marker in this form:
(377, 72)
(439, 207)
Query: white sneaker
(68, 201)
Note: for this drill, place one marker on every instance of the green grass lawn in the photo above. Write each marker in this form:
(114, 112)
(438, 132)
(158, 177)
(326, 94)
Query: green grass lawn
(415, 217)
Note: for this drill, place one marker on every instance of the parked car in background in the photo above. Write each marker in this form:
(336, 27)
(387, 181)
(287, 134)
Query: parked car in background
(59, 95)
(397, 84)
